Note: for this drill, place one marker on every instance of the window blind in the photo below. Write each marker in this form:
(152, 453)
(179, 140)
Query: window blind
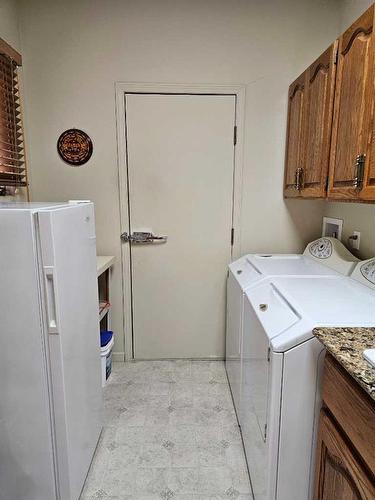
(12, 159)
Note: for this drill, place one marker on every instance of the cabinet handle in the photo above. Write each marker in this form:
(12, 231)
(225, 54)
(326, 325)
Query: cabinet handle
(298, 184)
(301, 178)
(359, 167)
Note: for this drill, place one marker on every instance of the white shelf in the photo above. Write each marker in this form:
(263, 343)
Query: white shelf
(104, 262)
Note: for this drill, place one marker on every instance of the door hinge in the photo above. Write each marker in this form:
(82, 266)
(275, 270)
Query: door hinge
(235, 135)
(232, 236)
(269, 354)
(265, 431)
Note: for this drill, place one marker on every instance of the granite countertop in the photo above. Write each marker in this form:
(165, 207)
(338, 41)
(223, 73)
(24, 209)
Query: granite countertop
(347, 346)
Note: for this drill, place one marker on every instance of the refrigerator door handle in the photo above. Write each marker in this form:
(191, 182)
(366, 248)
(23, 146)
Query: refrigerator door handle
(49, 280)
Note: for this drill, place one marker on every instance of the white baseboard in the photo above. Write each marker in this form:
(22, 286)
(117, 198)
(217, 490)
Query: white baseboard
(118, 356)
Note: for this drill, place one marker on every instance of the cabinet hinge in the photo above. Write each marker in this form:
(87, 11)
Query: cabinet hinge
(235, 135)
(327, 182)
(269, 354)
(265, 431)
(232, 236)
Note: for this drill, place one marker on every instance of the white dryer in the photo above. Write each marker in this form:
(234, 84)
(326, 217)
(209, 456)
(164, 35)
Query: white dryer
(281, 364)
(322, 257)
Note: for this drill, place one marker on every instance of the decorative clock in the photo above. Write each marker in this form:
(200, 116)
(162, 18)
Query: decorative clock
(74, 147)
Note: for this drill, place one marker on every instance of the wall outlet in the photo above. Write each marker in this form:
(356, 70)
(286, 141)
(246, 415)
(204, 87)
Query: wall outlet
(355, 240)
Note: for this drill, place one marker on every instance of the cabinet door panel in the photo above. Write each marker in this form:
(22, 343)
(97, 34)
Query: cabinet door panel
(339, 474)
(353, 109)
(295, 135)
(320, 91)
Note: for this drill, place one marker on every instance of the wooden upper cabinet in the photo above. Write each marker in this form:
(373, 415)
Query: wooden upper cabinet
(294, 155)
(309, 128)
(318, 124)
(331, 121)
(352, 161)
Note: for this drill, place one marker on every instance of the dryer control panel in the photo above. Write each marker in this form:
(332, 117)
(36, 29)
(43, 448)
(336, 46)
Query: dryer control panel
(364, 272)
(332, 253)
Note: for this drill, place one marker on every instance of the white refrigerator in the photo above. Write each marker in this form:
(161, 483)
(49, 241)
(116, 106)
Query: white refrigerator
(50, 374)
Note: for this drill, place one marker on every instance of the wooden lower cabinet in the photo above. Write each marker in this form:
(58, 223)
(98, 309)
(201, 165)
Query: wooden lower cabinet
(345, 454)
(339, 473)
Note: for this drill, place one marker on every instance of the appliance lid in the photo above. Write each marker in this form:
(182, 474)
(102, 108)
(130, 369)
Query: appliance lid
(288, 265)
(273, 311)
(329, 302)
(244, 272)
(30, 206)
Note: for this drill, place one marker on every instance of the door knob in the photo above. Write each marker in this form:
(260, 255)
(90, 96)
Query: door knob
(143, 237)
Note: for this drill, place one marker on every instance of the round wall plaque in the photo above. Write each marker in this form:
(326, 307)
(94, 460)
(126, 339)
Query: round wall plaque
(74, 147)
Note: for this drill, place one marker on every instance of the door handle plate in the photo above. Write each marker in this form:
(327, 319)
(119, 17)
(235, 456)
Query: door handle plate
(140, 237)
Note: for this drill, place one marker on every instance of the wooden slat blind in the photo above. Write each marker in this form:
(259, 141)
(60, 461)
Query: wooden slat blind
(12, 159)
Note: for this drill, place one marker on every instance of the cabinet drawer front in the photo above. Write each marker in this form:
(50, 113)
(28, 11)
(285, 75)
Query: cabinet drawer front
(352, 408)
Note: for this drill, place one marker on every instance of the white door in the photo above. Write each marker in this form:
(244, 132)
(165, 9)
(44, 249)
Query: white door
(180, 156)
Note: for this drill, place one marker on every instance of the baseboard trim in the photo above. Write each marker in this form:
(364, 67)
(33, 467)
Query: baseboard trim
(118, 356)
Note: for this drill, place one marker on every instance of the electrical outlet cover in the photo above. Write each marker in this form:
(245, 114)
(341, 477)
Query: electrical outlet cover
(356, 243)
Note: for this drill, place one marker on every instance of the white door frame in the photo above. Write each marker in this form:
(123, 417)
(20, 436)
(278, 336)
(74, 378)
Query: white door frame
(122, 88)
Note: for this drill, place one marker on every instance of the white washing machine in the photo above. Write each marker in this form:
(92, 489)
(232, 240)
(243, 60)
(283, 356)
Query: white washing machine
(281, 364)
(322, 257)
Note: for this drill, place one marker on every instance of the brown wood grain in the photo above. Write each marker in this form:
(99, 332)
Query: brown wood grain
(339, 474)
(294, 154)
(353, 107)
(353, 409)
(318, 123)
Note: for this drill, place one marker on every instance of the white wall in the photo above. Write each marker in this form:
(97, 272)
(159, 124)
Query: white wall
(350, 10)
(9, 23)
(360, 217)
(74, 51)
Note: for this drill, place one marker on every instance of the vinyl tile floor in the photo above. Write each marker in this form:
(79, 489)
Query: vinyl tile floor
(170, 433)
